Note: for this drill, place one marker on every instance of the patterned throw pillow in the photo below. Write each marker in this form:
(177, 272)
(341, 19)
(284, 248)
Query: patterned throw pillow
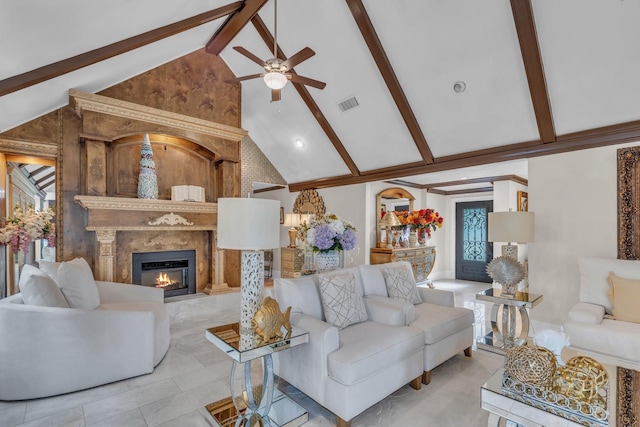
(342, 304)
(401, 284)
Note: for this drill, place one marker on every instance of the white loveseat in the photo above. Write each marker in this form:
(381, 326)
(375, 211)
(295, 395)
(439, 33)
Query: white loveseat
(348, 370)
(590, 325)
(50, 350)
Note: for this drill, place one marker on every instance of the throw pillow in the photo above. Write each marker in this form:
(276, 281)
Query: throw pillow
(624, 295)
(38, 288)
(75, 280)
(401, 284)
(342, 304)
(49, 267)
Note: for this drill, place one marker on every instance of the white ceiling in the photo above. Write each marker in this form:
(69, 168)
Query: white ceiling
(590, 52)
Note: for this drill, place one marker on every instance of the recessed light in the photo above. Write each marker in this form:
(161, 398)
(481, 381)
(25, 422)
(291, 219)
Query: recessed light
(299, 143)
(463, 178)
(459, 87)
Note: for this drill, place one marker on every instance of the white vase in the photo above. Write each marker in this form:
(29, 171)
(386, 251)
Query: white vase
(413, 238)
(327, 261)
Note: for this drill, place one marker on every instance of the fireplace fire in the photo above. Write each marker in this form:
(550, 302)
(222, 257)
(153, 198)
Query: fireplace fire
(173, 271)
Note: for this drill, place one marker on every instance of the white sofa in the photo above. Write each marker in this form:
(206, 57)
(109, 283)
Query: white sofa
(48, 350)
(348, 370)
(448, 330)
(590, 325)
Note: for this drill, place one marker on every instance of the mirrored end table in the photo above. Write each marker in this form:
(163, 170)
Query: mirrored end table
(504, 333)
(255, 404)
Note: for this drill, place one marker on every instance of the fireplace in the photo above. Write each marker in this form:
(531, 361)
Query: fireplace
(173, 271)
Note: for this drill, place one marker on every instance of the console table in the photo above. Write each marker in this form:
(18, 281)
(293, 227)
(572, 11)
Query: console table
(421, 258)
(260, 401)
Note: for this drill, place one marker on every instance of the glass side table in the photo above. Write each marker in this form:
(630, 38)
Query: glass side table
(255, 404)
(504, 335)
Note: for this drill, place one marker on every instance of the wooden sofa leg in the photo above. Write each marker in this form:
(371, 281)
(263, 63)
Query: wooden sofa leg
(426, 377)
(467, 351)
(416, 384)
(342, 423)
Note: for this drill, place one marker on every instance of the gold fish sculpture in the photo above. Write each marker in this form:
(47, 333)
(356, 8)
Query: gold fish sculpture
(268, 321)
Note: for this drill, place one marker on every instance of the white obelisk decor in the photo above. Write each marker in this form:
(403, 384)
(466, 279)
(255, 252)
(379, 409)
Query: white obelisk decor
(147, 179)
(250, 225)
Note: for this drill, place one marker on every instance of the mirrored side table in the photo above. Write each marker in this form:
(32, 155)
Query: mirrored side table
(255, 403)
(513, 328)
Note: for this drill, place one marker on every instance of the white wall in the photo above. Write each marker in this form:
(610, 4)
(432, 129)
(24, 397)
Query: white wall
(574, 197)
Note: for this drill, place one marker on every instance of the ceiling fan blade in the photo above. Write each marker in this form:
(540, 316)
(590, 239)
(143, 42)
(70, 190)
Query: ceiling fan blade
(306, 81)
(239, 79)
(303, 55)
(275, 95)
(250, 55)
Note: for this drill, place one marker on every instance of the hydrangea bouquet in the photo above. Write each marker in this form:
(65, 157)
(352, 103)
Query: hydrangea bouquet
(331, 233)
(25, 227)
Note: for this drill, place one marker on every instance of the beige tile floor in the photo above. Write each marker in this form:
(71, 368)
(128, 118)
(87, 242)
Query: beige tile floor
(195, 373)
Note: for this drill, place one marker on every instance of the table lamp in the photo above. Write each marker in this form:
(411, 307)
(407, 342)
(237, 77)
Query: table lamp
(292, 220)
(389, 220)
(251, 226)
(511, 227)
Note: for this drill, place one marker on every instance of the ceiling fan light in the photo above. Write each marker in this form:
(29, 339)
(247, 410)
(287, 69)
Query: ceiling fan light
(275, 80)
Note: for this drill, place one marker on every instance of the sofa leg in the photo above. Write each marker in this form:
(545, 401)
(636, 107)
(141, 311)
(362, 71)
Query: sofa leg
(342, 423)
(426, 377)
(416, 384)
(467, 351)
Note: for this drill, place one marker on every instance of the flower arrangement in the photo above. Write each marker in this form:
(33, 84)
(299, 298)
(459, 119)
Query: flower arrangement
(331, 233)
(25, 227)
(426, 219)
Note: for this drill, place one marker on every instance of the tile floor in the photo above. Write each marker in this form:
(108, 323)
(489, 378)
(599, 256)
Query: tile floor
(195, 373)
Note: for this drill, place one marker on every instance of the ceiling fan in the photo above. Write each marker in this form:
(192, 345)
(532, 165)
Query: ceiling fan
(277, 73)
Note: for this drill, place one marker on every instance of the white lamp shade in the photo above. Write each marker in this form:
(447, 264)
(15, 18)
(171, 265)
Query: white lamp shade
(248, 224)
(511, 226)
(275, 80)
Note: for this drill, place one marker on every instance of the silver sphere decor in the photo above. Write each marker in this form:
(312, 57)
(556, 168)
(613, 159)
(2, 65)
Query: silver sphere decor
(508, 272)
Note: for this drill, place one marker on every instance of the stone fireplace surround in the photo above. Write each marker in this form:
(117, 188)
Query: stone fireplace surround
(153, 225)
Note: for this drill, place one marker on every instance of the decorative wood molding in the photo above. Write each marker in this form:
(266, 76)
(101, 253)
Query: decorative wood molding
(29, 148)
(82, 101)
(161, 241)
(145, 205)
(628, 399)
(171, 219)
(629, 203)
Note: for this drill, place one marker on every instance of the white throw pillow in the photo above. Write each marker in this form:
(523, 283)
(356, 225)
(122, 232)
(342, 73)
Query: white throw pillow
(38, 288)
(341, 302)
(401, 284)
(49, 267)
(75, 280)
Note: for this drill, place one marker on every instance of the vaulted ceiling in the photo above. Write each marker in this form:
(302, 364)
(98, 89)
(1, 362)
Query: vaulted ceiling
(540, 77)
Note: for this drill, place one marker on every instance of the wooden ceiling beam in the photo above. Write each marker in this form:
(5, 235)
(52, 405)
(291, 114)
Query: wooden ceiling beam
(47, 72)
(599, 137)
(45, 178)
(530, 49)
(302, 90)
(384, 65)
(234, 24)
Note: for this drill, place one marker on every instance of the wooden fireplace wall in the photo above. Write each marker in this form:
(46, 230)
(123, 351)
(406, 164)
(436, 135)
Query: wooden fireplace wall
(208, 157)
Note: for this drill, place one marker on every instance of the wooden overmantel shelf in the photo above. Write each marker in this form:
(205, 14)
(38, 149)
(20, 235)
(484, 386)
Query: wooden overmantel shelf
(146, 205)
(147, 214)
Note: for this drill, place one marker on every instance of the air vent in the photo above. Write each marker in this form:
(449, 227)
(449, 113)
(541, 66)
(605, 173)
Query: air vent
(348, 104)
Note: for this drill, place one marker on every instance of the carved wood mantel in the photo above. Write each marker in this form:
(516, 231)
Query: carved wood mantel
(104, 219)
